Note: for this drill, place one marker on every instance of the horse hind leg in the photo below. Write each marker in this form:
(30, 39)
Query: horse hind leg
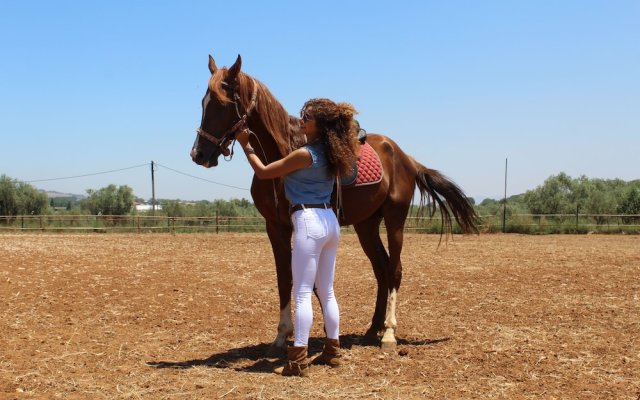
(389, 341)
(395, 235)
(369, 236)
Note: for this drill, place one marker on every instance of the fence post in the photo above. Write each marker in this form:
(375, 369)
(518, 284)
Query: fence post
(504, 210)
(217, 222)
(577, 216)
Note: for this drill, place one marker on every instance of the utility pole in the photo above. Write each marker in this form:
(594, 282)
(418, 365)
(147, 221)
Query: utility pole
(153, 189)
(504, 210)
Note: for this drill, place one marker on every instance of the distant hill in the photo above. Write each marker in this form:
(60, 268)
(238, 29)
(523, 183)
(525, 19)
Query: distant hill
(57, 195)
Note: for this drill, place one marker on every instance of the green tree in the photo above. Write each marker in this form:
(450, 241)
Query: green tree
(630, 205)
(204, 208)
(174, 208)
(552, 197)
(110, 200)
(580, 192)
(601, 198)
(20, 198)
(597, 197)
(8, 197)
(232, 208)
(489, 207)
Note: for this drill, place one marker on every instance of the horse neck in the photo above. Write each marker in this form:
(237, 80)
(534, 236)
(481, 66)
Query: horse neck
(271, 124)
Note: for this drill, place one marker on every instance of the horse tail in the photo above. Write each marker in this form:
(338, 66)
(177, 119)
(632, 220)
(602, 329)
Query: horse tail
(437, 192)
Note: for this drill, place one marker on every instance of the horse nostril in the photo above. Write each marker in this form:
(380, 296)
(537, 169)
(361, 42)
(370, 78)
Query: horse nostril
(196, 154)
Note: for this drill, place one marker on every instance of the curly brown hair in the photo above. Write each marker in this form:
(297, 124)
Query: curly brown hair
(338, 132)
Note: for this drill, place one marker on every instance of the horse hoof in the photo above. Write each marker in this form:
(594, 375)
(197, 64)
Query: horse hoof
(276, 351)
(388, 346)
(372, 334)
(370, 340)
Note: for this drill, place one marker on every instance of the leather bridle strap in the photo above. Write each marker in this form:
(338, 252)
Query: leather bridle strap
(230, 134)
(239, 125)
(227, 135)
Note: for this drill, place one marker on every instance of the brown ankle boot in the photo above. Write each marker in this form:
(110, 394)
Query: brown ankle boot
(330, 354)
(296, 364)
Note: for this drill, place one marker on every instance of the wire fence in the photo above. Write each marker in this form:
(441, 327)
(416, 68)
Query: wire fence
(563, 223)
(130, 223)
(517, 223)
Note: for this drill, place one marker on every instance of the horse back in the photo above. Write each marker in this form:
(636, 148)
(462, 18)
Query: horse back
(363, 202)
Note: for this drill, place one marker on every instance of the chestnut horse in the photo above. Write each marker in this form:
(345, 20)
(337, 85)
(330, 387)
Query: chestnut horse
(235, 101)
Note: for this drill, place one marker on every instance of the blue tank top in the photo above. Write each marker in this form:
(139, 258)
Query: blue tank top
(311, 185)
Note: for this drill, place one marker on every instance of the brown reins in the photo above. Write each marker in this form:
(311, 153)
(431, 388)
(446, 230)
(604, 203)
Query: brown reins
(223, 141)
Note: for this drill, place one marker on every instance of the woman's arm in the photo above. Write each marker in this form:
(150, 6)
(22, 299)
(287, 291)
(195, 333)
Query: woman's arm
(294, 161)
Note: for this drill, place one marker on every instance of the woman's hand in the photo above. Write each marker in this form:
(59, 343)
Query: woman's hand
(243, 137)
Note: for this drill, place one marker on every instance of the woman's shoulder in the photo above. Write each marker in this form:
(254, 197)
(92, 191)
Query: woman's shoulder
(315, 146)
(317, 151)
(301, 156)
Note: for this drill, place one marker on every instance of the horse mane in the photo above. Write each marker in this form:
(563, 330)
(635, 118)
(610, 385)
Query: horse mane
(281, 126)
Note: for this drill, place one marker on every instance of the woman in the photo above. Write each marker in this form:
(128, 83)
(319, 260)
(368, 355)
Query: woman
(309, 174)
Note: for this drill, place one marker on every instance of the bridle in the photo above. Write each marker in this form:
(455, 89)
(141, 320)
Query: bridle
(230, 135)
(223, 141)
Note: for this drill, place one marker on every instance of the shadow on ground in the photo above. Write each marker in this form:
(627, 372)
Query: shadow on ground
(266, 363)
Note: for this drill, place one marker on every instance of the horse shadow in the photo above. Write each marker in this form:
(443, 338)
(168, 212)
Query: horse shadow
(265, 364)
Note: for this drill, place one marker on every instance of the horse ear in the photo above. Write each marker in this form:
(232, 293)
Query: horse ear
(235, 69)
(212, 65)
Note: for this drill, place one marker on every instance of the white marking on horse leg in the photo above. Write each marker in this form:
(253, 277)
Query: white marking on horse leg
(285, 327)
(390, 323)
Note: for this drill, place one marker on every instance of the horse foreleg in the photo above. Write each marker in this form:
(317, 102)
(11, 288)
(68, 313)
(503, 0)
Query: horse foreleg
(285, 329)
(280, 237)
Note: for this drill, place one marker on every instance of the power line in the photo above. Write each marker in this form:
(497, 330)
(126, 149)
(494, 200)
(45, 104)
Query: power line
(85, 175)
(202, 179)
(133, 167)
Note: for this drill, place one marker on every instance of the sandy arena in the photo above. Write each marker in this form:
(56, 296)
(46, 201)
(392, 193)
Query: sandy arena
(191, 316)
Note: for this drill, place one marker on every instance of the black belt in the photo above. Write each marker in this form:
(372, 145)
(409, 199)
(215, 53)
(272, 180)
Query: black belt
(299, 207)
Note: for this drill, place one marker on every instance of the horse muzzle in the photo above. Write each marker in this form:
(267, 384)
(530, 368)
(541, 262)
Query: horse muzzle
(198, 157)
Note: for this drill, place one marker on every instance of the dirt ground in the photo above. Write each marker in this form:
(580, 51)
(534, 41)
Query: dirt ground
(157, 316)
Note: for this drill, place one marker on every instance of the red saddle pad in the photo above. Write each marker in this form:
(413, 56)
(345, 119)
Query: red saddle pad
(369, 166)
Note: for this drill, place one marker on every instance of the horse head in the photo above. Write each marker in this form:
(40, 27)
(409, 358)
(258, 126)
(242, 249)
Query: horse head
(223, 114)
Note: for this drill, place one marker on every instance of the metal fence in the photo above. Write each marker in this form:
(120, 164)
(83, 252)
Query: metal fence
(563, 223)
(130, 223)
(519, 223)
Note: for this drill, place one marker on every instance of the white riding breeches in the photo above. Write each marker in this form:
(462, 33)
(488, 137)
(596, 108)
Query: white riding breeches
(315, 244)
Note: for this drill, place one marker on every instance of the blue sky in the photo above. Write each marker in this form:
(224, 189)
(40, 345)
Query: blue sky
(553, 86)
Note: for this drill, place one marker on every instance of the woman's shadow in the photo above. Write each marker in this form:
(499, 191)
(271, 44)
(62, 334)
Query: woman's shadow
(232, 359)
